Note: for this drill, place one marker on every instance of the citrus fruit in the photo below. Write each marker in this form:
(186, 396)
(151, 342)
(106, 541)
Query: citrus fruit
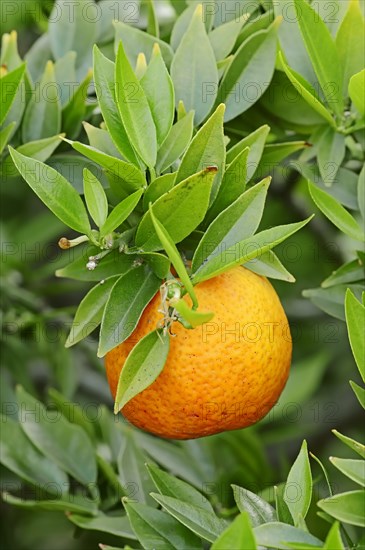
(223, 375)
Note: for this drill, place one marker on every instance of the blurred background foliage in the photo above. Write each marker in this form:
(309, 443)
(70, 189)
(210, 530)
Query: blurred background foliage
(37, 308)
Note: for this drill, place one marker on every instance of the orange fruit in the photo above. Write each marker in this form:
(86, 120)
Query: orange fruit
(223, 375)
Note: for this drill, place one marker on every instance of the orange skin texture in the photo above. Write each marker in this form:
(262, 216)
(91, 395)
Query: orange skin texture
(223, 375)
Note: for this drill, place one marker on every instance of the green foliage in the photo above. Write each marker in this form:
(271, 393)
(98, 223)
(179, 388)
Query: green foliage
(167, 150)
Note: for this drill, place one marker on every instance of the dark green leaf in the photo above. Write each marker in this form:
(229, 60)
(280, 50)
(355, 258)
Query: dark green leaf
(65, 443)
(104, 70)
(257, 508)
(269, 265)
(274, 153)
(74, 112)
(194, 70)
(254, 62)
(134, 110)
(359, 392)
(237, 222)
(20, 456)
(159, 91)
(54, 190)
(42, 117)
(331, 299)
(128, 298)
(158, 530)
(351, 272)
(361, 192)
(143, 365)
(90, 311)
(68, 503)
(238, 536)
(176, 142)
(255, 142)
(355, 319)
(115, 263)
(336, 213)
(282, 510)
(331, 152)
(159, 263)
(298, 488)
(346, 507)
(120, 213)
(181, 210)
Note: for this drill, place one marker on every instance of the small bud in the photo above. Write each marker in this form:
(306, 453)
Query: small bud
(64, 243)
(92, 263)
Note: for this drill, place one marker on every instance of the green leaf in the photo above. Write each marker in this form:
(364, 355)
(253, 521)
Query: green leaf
(176, 142)
(134, 110)
(237, 222)
(152, 23)
(361, 192)
(170, 486)
(357, 91)
(65, 74)
(257, 508)
(143, 365)
(136, 41)
(274, 153)
(159, 91)
(42, 116)
(90, 311)
(54, 190)
(331, 152)
(5, 134)
(353, 469)
(194, 70)
(96, 201)
(68, 503)
(127, 300)
(333, 539)
(65, 443)
(20, 456)
(157, 188)
(269, 265)
(359, 392)
(306, 91)
(254, 62)
(193, 317)
(100, 139)
(9, 85)
(118, 526)
(159, 264)
(74, 111)
(346, 507)
(73, 30)
(282, 509)
(298, 488)
(156, 529)
(232, 186)
(130, 177)
(246, 250)
(354, 445)
(72, 411)
(279, 535)
(104, 76)
(206, 149)
(205, 524)
(323, 54)
(355, 319)
(351, 272)
(120, 213)
(224, 37)
(114, 263)
(331, 299)
(174, 255)
(349, 40)
(336, 213)
(40, 149)
(238, 536)
(181, 209)
(255, 141)
(183, 21)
